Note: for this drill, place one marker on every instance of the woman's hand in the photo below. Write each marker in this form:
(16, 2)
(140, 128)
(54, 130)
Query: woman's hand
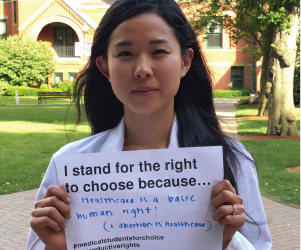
(223, 198)
(49, 218)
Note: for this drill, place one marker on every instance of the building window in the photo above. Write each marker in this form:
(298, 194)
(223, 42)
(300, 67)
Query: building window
(71, 76)
(215, 37)
(64, 44)
(237, 77)
(3, 33)
(58, 77)
(15, 12)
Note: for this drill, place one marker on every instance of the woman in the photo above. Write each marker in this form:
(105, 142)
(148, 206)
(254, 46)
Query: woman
(147, 79)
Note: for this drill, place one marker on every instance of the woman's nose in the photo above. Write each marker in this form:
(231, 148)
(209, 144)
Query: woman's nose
(143, 69)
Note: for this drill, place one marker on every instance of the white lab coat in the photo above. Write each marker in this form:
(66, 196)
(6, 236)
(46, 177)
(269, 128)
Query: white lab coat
(250, 236)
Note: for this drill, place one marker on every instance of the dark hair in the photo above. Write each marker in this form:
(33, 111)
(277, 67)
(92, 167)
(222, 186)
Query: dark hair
(197, 121)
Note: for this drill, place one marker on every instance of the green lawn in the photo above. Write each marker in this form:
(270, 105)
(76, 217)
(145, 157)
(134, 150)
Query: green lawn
(29, 135)
(248, 127)
(252, 110)
(11, 100)
(272, 157)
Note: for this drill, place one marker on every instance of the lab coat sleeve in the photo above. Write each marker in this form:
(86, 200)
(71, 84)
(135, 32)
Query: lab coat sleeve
(50, 178)
(250, 236)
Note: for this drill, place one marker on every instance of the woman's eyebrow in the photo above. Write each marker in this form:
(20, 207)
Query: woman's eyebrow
(126, 43)
(159, 41)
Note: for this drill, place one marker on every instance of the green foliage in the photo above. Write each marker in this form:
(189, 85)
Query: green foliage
(250, 19)
(25, 91)
(243, 101)
(231, 93)
(44, 86)
(24, 62)
(3, 86)
(64, 86)
(297, 85)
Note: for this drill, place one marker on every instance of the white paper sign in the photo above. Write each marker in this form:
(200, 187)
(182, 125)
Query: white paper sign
(148, 199)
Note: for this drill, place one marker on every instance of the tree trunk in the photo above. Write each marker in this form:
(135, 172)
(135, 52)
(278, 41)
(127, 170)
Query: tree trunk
(265, 74)
(282, 114)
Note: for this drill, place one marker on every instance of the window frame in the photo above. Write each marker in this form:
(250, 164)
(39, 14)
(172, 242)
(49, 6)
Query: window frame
(58, 74)
(71, 74)
(15, 12)
(243, 76)
(221, 38)
(4, 34)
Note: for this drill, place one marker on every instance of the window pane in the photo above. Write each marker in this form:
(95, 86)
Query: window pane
(237, 71)
(69, 37)
(2, 27)
(237, 84)
(214, 40)
(59, 37)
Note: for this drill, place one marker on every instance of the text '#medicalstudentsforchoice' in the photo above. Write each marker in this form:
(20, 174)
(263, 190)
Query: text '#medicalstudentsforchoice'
(116, 239)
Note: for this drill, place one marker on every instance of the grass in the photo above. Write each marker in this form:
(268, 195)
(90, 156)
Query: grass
(11, 100)
(248, 127)
(29, 135)
(252, 110)
(272, 157)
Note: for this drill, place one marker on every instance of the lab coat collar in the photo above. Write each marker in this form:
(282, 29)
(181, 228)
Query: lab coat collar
(115, 140)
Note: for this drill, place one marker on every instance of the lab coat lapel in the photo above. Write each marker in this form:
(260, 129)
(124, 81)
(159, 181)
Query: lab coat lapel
(115, 140)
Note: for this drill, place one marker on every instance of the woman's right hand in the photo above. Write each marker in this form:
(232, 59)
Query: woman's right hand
(49, 218)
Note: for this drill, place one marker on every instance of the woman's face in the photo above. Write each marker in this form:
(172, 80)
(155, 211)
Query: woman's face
(145, 64)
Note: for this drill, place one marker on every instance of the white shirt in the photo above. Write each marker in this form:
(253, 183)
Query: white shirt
(250, 236)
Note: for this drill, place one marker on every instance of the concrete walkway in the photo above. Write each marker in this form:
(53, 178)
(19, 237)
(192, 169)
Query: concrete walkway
(15, 209)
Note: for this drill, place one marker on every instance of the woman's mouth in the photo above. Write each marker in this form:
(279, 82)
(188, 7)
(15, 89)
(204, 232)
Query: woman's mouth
(144, 91)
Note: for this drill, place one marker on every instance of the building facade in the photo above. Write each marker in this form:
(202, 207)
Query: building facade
(69, 26)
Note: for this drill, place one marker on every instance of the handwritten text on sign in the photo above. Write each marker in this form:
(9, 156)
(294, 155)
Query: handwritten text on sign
(148, 199)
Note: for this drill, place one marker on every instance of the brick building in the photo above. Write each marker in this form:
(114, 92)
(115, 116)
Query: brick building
(71, 23)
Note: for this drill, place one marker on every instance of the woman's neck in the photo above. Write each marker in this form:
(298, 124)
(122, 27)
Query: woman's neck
(147, 131)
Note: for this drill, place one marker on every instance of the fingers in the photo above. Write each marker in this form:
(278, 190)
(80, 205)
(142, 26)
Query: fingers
(59, 192)
(235, 221)
(55, 219)
(222, 185)
(224, 193)
(226, 210)
(56, 203)
(52, 211)
(39, 223)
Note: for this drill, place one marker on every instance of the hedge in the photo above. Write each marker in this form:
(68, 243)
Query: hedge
(26, 91)
(230, 93)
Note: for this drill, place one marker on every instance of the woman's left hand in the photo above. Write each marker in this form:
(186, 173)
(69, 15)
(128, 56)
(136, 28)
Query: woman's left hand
(223, 198)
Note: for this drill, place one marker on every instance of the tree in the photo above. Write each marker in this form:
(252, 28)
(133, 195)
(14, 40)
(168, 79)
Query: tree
(24, 62)
(270, 29)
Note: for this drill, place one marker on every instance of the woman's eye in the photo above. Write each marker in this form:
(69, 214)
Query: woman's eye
(160, 51)
(124, 53)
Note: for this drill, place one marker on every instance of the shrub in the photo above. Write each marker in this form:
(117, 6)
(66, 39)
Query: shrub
(230, 93)
(25, 91)
(44, 86)
(64, 86)
(243, 101)
(255, 101)
(24, 61)
(3, 86)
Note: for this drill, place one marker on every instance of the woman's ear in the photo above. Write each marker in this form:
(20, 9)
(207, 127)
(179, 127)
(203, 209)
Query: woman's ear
(102, 65)
(186, 63)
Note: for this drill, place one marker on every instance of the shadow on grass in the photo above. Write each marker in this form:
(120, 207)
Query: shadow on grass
(39, 114)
